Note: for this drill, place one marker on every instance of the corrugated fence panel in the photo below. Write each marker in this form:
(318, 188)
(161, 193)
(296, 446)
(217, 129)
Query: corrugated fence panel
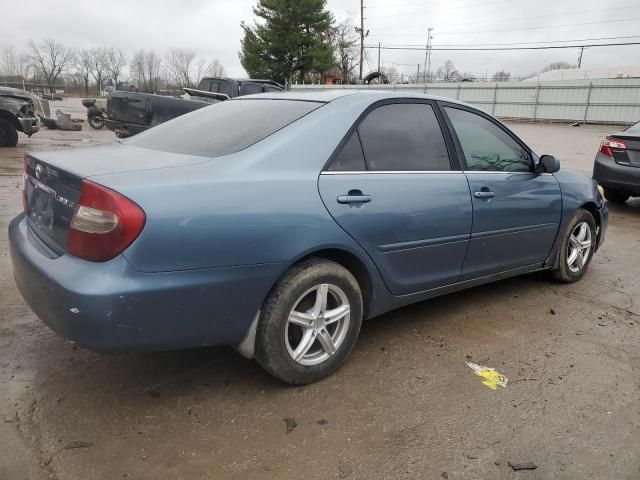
(596, 101)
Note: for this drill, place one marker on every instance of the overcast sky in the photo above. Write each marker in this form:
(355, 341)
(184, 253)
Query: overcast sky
(212, 28)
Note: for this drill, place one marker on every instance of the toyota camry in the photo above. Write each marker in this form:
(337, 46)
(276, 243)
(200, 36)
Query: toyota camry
(278, 223)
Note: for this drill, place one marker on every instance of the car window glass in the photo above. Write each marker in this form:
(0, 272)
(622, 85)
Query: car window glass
(214, 87)
(226, 88)
(635, 128)
(222, 128)
(249, 88)
(486, 146)
(403, 136)
(350, 157)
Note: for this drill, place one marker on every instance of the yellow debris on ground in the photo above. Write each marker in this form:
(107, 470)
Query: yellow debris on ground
(492, 378)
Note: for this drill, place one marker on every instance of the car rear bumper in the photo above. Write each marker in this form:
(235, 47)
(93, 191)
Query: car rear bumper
(614, 176)
(110, 306)
(124, 129)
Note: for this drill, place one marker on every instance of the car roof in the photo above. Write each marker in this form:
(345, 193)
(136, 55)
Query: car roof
(326, 95)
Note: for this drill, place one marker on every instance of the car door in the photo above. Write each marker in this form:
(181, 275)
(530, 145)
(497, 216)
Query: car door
(516, 210)
(392, 186)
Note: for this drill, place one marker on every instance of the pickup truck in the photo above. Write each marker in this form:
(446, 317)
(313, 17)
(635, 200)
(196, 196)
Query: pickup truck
(129, 113)
(17, 114)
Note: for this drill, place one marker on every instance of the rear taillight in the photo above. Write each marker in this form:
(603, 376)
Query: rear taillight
(104, 224)
(608, 143)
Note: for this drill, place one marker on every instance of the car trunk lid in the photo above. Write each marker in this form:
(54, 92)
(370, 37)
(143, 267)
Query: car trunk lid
(53, 182)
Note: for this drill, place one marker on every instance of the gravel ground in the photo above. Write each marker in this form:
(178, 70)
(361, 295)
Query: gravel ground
(405, 406)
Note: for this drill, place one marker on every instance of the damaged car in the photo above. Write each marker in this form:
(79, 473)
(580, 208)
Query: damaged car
(17, 114)
(279, 222)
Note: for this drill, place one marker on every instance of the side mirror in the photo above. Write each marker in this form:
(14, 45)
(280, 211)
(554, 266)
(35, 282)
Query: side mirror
(549, 164)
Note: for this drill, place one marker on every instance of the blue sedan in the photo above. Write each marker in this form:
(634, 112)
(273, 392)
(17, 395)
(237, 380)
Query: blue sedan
(277, 223)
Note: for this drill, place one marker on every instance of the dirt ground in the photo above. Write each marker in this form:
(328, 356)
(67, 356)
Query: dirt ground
(405, 406)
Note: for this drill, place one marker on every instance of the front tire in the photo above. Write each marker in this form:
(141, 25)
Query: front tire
(8, 134)
(96, 121)
(576, 249)
(616, 196)
(309, 322)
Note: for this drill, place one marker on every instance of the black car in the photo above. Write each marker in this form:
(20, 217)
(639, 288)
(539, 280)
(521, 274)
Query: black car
(129, 113)
(617, 164)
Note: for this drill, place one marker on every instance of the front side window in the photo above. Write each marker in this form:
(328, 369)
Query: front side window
(403, 136)
(486, 146)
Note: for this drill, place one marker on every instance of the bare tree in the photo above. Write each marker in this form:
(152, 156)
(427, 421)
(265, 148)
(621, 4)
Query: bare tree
(215, 68)
(447, 72)
(98, 65)
(557, 66)
(51, 59)
(83, 66)
(390, 71)
(8, 62)
(179, 64)
(145, 69)
(501, 76)
(345, 50)
(116, 60)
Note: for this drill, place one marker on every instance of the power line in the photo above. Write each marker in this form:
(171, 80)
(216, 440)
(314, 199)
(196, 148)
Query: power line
(538, 27)
(482, 49)
(520, 43)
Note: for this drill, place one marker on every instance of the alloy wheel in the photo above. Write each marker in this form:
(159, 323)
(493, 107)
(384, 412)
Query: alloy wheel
(579, 247)
(317, 324)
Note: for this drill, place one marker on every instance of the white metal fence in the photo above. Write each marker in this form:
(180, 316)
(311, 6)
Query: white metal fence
(589, 101)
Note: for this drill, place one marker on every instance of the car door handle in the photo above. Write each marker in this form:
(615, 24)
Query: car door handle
(484, 194)
(354, 196)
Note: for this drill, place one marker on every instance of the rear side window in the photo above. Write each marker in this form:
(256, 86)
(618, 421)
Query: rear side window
(403, 136)
(486, 146)
(222, 128)
(350, 157)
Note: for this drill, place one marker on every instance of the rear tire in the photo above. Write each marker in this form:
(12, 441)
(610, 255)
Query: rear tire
(576, 249)
(616, 196)
(8, 134)
(309, 322)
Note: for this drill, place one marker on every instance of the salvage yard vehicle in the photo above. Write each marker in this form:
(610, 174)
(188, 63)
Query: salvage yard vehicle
(129, 113)
(17, 114)
(617, 164)
(313, 212)
(96, 112)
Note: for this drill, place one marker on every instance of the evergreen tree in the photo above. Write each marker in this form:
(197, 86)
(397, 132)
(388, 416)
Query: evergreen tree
(290, 40)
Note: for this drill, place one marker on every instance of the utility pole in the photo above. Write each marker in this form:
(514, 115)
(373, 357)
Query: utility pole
(418, 75)
(580, 57)
(361, 35)
(427, 55)
(378, 56)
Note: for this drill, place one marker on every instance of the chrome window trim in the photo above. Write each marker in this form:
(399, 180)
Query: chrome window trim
(504, 173)
(380, 172)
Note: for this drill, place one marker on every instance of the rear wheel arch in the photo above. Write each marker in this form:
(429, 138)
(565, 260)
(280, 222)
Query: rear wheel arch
(353, 264)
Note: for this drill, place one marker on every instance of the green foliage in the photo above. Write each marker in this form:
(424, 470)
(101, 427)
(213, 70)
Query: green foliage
(290, 40)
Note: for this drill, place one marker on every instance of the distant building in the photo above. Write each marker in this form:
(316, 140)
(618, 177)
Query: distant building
(628, 71)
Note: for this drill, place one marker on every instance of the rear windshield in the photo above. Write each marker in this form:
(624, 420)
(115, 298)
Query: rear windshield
(223, 128)
(635, 128)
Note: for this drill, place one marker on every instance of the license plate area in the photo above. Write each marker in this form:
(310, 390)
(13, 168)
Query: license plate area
(41, 205)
